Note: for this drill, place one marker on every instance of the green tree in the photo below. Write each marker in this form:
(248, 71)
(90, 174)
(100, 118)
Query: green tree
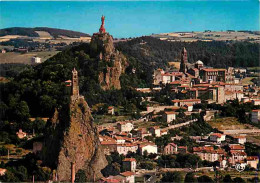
(171, 177)
(190, 178)
(205, 179)
(227, 178)
(239, 180)
(80, 176)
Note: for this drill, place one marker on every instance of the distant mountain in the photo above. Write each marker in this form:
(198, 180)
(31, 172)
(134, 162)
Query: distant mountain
(31, 32)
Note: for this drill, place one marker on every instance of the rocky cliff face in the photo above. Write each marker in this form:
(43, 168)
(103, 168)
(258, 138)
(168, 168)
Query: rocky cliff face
(74, 139)
(112, 62)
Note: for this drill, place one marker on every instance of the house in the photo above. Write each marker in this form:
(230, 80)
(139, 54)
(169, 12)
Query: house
(149, 147)
(217, 137)
(127, 147)
(170, 148)
(21, 134)
(119, 139)
(129, 176)
(182, 149)
(208, 153)
(252, 161)
(109, 146)
(169, 116)
(255, 116)
(142, 133)
(237, 147)
(2, 171)
(240, 139)
(164, 132)
(256, 102)
(129, 164)
(36, 60)
(237, 157)
(111, 110)
(184, 102)
(125, 126)
(155, 130)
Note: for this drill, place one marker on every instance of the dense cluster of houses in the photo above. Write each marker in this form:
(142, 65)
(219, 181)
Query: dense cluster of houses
(211, 85)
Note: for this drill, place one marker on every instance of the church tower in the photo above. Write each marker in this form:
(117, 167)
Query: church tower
(75, 83)
(184, 61)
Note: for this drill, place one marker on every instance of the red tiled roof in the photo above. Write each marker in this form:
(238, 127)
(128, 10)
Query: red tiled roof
(169, 112)
(238, 153)
(186, 100)
(129, 159)
(216, 134)
(252, 158)
(236, 147)
(209, 70)
(127, 174)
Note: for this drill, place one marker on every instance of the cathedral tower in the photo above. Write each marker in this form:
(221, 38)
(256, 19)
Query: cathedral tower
(75, 83)
(184, 61)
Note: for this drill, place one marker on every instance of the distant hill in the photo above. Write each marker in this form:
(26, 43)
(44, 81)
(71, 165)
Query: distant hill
(31, 32)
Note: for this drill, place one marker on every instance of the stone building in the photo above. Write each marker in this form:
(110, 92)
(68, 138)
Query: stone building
(210, 74)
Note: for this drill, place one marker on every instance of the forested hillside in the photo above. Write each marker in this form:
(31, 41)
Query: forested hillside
(152, 51)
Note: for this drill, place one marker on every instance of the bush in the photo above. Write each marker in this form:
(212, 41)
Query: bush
(3, 151)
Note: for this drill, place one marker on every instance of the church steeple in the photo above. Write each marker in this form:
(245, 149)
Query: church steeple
(75, 83)
(102, 28)
(184, 61)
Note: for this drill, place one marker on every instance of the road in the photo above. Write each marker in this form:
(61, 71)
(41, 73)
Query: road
(180, 125)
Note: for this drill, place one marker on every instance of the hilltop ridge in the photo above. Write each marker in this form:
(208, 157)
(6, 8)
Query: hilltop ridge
(32, 32)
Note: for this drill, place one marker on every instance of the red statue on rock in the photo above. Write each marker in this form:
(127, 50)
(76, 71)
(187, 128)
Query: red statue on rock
(102, 28)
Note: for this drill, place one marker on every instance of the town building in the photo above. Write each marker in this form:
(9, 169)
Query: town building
(237, 157)
(237, 147)
(208, 153)
(217, 137)
(20, 134)
(169, 116)
(155, 130)
(111, 110)
(170, 148)
(127, 147)
(240, 139)
(129, 176)
(129, 164)
(212, 75)
(184, 102)
(148, 147)
(125, 126)
(252, 161)
(36, 60)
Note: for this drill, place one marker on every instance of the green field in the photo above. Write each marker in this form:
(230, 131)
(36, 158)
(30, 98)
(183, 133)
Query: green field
(228, 123)
(13, 57)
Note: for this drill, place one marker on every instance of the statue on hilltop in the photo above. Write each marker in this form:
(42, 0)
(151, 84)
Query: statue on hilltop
(102, 28)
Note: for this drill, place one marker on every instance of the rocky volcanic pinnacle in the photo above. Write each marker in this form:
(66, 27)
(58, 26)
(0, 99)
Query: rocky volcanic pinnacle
(115, 61)
(74, 139)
